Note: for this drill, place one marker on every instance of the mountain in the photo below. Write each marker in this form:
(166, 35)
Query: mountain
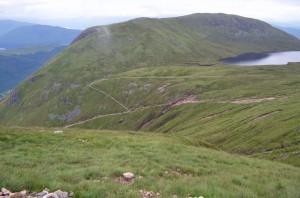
(37, 35)
(154, 75)
(16, 68)
(8, 25)
(292, 31)
(27, 47)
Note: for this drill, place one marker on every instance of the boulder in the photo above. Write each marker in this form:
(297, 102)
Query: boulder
(128, 175)
(21, 194)
(61, 194)
(5, 192)
(51, 195)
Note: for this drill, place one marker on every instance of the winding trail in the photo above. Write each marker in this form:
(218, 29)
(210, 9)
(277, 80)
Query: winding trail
(114, 114)
(90, 86)
(127, 110)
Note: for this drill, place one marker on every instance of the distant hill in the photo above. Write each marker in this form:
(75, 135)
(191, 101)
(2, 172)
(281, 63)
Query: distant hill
(16, 68)
(28, 46)
(293, 31)
(8, 25)
(37, 35)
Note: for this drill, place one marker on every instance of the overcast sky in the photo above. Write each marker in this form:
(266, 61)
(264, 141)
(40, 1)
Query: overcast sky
(84, 13)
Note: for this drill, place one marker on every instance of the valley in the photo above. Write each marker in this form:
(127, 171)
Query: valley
(25, 47)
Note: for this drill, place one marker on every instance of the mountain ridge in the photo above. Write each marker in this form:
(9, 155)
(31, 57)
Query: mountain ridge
(8, 25)
(37, 35)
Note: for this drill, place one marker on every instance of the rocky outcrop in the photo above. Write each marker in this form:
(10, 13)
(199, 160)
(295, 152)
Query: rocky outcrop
(5, 193)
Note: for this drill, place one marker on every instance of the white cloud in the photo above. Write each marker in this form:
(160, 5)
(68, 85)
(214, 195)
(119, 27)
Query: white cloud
(281, 11)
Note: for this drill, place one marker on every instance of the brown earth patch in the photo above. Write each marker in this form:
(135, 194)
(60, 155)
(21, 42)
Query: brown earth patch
(262, 116)
(252, 100)
(215, 114)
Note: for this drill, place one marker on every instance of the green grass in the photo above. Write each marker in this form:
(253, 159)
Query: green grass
(36, 158)
(233, 127)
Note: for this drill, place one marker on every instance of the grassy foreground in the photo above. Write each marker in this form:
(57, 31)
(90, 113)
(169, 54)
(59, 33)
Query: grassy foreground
(89, 162)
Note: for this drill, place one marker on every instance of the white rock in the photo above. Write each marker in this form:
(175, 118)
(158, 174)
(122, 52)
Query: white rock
(128, 175)
(5, 191)
(58, 131)
(51, 195)
(61, 194)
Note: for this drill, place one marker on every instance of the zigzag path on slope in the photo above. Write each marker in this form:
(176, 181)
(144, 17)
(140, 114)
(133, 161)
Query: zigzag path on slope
(128, 111)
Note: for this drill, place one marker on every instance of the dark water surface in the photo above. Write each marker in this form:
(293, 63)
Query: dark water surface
(274, 58)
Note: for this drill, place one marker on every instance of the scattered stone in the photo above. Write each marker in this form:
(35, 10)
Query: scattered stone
(51, 195)
(96, 180)
(21, 194)
(61, 194)
(82, 140)
(5, 192)
(189, 196)
(148, 194)
(44, 194)
(46, 190)
(58, 131)
(128, 178)
(128, 175)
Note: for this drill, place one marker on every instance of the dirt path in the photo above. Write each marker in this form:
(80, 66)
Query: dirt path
(114, 114)
(90, 86)
(185, 100)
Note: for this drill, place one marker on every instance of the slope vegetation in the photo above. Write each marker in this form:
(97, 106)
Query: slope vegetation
(164, 164)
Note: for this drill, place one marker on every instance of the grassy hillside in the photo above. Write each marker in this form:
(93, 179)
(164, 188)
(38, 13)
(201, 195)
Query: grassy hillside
(247, 110)
(167, 164)
(150, 75)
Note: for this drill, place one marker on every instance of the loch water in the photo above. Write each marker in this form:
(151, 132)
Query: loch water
(274, 58)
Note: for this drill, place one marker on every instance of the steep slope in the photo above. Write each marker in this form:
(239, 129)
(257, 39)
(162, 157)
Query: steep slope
(38, 35)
